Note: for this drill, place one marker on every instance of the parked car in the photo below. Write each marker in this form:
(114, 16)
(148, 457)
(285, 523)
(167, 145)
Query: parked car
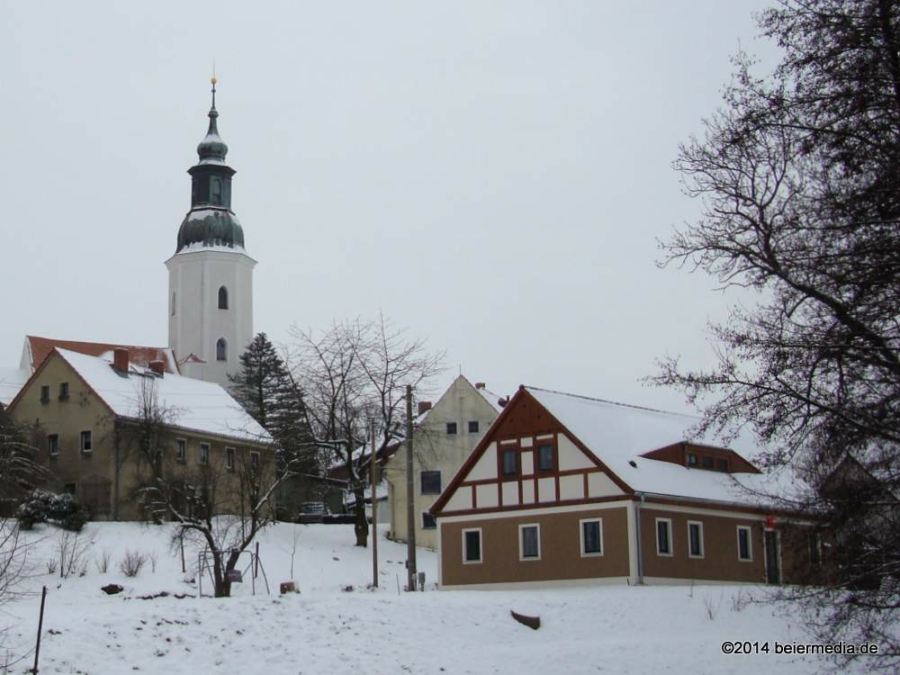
(312, 512)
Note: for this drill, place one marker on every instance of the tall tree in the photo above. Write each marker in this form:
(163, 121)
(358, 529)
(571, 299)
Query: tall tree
(355, 374)
(799, 175)
(268, 392)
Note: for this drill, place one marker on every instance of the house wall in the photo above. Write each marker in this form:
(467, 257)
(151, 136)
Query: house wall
(92, 475)
(435, 450)
(560, 544)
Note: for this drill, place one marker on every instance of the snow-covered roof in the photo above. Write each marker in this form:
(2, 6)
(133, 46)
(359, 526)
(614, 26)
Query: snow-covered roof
(38, 348)
(619, 434)
(11, 381)
(195, 405)
(200, 246)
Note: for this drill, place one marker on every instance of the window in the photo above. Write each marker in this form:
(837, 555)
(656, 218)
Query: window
(45, 393)
(663, 536)
(695, 539)
(180, 449)
(591, 537)
(745, 548)
(722, 464)
(229, 459)
(223, 298)
(53, 444)
(529, 542)
(692, 459)
(473, 426)
(707, 462)
(87, 441)
(510, 459)
(428, 521)
(451, 428)
(815, 548)
(204, 453)
(254, 459)
(215, 190)
(173, 304)
(545, 458)
(471, 546)
(431, 482)
(63, 391)
(221, 350)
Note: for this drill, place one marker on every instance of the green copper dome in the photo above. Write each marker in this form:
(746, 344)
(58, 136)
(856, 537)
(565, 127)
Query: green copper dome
(211, 222)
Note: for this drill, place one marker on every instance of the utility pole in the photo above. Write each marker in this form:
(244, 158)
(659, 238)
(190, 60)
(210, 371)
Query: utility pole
(373, 467)
(410, 498)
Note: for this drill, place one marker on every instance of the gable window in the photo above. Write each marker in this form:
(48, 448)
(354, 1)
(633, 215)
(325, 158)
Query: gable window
(545, 457)
(53, 444)
(87, 441)
(229, 459)
(695, 539)
(663, 536)
(745, 547)
(591, 537)
(180, 449)
(473, 426)
(63, 391)
(471, 546)
(530, 542)
(204, 453)
(510, 461)
(428, 521)
(223, 298)
(451, 428)
(221, 350)
(45, 393)
(254, 459)
(430, 482)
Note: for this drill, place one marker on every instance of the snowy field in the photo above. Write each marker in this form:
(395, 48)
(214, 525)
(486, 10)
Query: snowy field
(338, 625)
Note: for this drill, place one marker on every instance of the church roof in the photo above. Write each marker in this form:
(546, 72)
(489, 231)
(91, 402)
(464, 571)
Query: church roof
(38, 348)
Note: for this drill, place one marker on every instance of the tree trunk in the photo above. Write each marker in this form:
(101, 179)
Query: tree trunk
(360, 526)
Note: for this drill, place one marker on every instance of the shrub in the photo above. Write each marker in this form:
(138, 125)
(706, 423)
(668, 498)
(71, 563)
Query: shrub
(42, 506)
(132, 563)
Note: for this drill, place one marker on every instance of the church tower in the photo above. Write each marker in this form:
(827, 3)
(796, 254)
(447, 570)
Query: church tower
(210, 275)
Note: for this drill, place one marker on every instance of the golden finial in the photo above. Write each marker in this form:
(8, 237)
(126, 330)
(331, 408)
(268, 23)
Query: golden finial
(213, 80)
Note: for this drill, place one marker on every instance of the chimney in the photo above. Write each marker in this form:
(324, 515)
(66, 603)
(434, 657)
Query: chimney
(502, 402)
(479, 385)
(424, 407)
(120, 360)
(158, 367)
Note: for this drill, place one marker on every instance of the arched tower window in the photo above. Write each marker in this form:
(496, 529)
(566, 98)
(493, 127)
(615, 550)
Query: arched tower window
(173, 303)
(216, 191)
(221, 350)
(223, 298)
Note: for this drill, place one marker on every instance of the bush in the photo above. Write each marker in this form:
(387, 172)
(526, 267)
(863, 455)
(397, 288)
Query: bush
(42, 506)
(132, 563)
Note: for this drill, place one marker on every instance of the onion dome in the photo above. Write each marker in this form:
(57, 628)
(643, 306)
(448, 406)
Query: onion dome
(212, 147)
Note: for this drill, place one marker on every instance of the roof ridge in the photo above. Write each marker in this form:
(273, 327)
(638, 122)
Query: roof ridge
(616, 403)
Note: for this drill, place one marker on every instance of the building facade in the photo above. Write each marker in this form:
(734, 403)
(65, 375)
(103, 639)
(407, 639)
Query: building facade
(210, 275)
(568, 489)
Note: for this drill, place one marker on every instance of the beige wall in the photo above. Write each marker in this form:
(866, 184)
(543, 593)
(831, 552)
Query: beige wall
(436, 450)
(560, 542)
(93, 474)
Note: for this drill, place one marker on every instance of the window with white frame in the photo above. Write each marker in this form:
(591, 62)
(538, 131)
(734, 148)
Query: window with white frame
(180, 449)
(254, 459)
(53, 444)
(471, 541)
(695, 539)
(229, 459)
(591, 534)
(744, 544)
(87, 442)
(530, 542)
(663, 536)
(204, 453)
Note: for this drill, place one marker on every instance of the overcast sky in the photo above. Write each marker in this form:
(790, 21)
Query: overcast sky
(491, 175)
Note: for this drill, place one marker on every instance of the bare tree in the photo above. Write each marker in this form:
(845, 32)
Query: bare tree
(352, 374)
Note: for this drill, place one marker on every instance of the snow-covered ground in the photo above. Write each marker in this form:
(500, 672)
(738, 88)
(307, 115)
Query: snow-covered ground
(338, 625)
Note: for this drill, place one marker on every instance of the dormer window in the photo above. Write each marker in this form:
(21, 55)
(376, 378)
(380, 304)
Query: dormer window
(223, 298)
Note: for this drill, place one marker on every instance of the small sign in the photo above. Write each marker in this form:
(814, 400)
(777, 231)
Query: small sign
(235, 576)
(770, 523)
